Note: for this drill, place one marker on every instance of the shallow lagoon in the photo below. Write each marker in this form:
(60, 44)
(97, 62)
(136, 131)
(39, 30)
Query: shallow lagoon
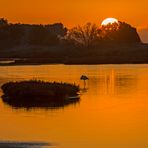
(112, 112)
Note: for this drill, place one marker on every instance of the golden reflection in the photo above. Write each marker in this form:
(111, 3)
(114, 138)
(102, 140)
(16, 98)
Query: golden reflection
(112, 83)
(113, 112)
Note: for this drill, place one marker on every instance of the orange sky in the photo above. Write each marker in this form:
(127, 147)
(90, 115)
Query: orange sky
(74, 12)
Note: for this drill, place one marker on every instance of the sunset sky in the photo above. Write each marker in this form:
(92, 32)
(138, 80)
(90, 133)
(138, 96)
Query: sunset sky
(74, 12)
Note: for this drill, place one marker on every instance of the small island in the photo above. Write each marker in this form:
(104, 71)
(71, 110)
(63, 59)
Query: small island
(36, 93)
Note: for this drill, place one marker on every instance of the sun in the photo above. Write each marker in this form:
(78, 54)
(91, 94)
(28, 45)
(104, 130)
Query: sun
(109, 21)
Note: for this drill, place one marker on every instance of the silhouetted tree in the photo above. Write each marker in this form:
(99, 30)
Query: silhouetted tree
(12, 35)
(86, 36)
(119, 33)
(127, 33)
(109, 32)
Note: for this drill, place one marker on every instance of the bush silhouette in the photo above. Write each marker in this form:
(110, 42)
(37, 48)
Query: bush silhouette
(39, 93)
(120, 33)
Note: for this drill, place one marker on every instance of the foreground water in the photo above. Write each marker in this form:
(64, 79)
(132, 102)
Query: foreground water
(112, 112)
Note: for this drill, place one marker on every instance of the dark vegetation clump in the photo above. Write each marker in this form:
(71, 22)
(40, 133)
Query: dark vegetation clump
(35, 93)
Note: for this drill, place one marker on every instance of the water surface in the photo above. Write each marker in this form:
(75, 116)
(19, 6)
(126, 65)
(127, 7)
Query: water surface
(112, 112)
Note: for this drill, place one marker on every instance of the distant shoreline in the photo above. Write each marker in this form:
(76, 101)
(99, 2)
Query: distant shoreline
(36, 55)
(40, 64)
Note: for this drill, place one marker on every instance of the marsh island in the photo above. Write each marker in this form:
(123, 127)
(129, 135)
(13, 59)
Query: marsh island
(36, 93)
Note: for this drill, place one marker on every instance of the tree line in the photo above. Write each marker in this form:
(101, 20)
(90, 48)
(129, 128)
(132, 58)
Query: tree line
(12, 35)
(87, 36)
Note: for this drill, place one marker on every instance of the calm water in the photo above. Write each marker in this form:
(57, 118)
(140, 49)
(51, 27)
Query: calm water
(112, 113)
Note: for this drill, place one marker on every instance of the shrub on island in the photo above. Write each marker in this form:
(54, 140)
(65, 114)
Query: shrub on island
(36, 93)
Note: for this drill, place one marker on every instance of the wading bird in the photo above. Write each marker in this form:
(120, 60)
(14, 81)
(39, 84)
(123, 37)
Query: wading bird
(84, 78)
